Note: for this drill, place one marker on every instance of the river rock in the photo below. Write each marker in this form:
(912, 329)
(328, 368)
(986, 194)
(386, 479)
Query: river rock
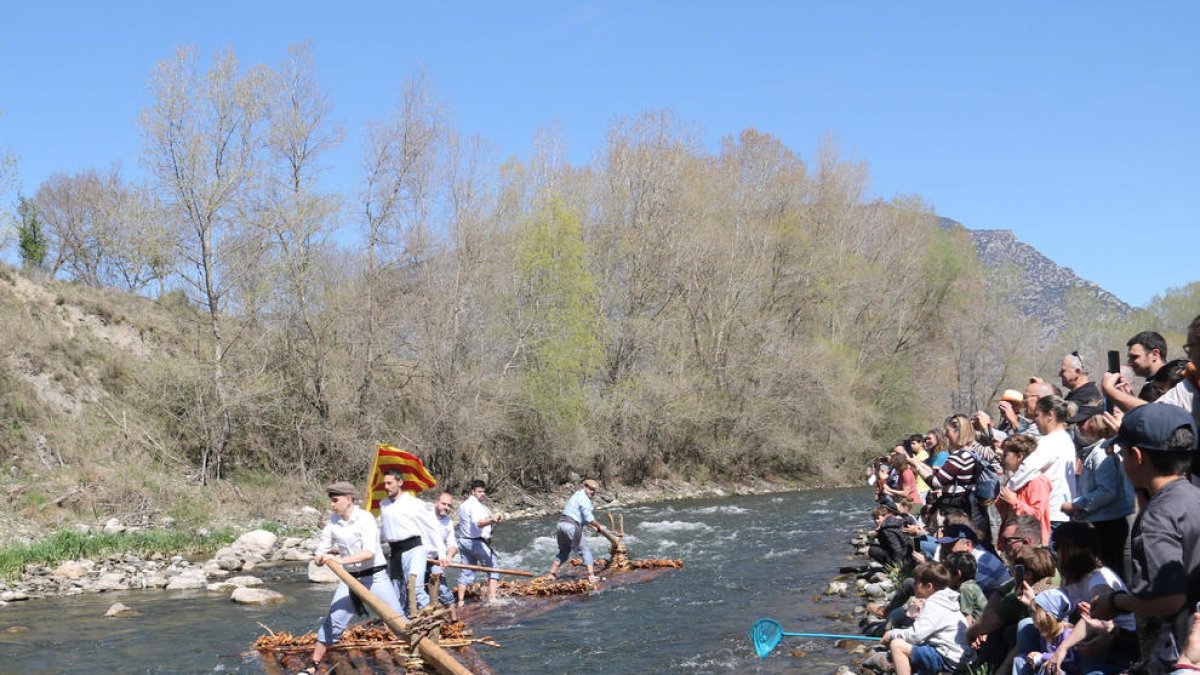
(72, 569)
(321, 574)
(14, 596)
(246, 581)
(110, 581)
(155, 580)
(255, 596)
(113, 526)
(119, 609)
(836, 587)
(257, 542)
(188, 579)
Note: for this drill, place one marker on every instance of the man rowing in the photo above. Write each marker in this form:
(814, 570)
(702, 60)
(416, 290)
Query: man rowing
(569, 533)
(474, 534)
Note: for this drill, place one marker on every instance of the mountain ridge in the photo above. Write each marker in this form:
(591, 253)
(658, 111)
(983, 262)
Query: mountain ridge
(1045, 284)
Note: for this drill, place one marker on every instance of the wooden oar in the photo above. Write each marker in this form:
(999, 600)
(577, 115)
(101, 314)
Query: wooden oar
(433, 653)
(482, 568)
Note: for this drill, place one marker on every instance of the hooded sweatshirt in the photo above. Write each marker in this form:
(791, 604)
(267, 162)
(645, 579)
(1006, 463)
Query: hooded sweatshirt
(940, 625)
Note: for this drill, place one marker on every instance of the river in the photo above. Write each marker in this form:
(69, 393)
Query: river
(745, 558)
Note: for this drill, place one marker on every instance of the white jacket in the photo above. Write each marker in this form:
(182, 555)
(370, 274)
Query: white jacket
(940, 625)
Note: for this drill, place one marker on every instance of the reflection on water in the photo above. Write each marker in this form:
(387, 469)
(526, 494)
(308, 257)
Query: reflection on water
(745, 558)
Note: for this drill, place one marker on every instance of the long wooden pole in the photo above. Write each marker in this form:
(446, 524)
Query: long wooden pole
(483, 568)
(435, 654)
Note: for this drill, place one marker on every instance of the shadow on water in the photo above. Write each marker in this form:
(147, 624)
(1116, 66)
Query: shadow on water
(745, 558)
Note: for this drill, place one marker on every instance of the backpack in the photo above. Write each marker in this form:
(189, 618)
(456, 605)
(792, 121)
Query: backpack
(987, 481)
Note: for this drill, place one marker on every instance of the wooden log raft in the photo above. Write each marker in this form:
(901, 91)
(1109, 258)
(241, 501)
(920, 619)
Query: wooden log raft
(442, 660)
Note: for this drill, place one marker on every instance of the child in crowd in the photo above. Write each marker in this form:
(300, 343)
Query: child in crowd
(1050, 611)
(971, 599)
(937, 640)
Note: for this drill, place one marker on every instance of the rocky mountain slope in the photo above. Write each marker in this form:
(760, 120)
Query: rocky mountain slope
(1044, 283)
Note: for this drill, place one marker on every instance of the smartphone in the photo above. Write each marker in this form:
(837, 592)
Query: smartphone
(1114, 366)
(1018, 576)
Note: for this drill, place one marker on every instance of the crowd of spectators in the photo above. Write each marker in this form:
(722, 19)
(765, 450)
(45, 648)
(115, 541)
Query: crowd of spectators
(1014, 539)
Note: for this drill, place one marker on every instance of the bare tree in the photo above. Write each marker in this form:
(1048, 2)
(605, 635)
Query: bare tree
(203, 136)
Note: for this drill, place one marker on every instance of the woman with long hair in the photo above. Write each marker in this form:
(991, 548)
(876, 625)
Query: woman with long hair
(955, 479)
(1104, 646)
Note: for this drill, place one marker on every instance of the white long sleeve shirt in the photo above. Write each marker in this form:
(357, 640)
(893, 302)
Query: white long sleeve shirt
(406, 516)
(470, 512)
(350, 535)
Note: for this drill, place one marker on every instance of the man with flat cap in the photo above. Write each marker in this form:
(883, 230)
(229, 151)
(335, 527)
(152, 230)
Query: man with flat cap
(351, 539)
(1156, 442)
(569, 533)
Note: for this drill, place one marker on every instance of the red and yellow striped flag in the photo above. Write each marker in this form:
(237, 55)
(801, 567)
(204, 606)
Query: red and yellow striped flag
(416, 477)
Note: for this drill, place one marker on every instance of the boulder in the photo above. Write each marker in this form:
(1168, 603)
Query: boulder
(113, 526)
(245, 581)
(111, 581)
(321, 574)
(836, 587)
(72, 569)
(13, 596)
(188, 579)
(256, 596)
(155, 580)
(119, 609)
(258, 542)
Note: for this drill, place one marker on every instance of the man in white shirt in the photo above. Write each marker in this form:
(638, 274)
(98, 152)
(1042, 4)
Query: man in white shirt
(474, 534)
(445, 534)
(351, 539)
(406, 523)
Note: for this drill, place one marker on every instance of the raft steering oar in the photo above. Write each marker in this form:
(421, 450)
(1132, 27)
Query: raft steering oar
(482, 568)
(766, 634)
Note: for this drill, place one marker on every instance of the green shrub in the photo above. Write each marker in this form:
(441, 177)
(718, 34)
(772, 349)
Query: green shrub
(73, 545)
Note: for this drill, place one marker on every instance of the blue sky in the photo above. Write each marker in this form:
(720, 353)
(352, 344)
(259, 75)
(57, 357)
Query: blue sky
(1071, 123)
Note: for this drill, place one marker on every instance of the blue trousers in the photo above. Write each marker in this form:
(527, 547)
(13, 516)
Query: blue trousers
(341, 608)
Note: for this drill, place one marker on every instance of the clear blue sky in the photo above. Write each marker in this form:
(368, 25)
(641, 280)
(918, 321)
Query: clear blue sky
(1072, 123)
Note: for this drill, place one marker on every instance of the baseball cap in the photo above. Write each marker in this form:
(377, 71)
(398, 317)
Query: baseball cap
(954, 533)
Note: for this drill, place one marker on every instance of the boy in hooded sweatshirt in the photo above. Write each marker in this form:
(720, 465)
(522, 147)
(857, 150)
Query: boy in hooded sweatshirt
(937, 640)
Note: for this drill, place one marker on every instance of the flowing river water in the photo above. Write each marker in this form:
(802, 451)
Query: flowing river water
(745, 558)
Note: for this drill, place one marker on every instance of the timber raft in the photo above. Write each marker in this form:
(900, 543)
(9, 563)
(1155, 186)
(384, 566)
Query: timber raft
(386, 645)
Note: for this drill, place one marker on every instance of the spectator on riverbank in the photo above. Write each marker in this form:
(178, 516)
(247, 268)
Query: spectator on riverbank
(902, 475)
(1032, 498)
(971, 599)
(1104, 646)
(1157, 442)
(1012, 420)
(936, 641)
(1054, 457)
(1105, 496)
(1080, 390)
(955, 479)
(892, 546)
(1050, 611)
(994, 635)
(990, 571)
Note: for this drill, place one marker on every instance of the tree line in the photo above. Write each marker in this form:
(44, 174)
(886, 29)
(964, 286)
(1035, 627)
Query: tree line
(661, 312)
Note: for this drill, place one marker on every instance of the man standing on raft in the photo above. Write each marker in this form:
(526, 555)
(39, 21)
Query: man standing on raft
(576, 514)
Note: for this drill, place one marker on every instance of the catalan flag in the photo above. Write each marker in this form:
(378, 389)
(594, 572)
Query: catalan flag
(416, 478)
